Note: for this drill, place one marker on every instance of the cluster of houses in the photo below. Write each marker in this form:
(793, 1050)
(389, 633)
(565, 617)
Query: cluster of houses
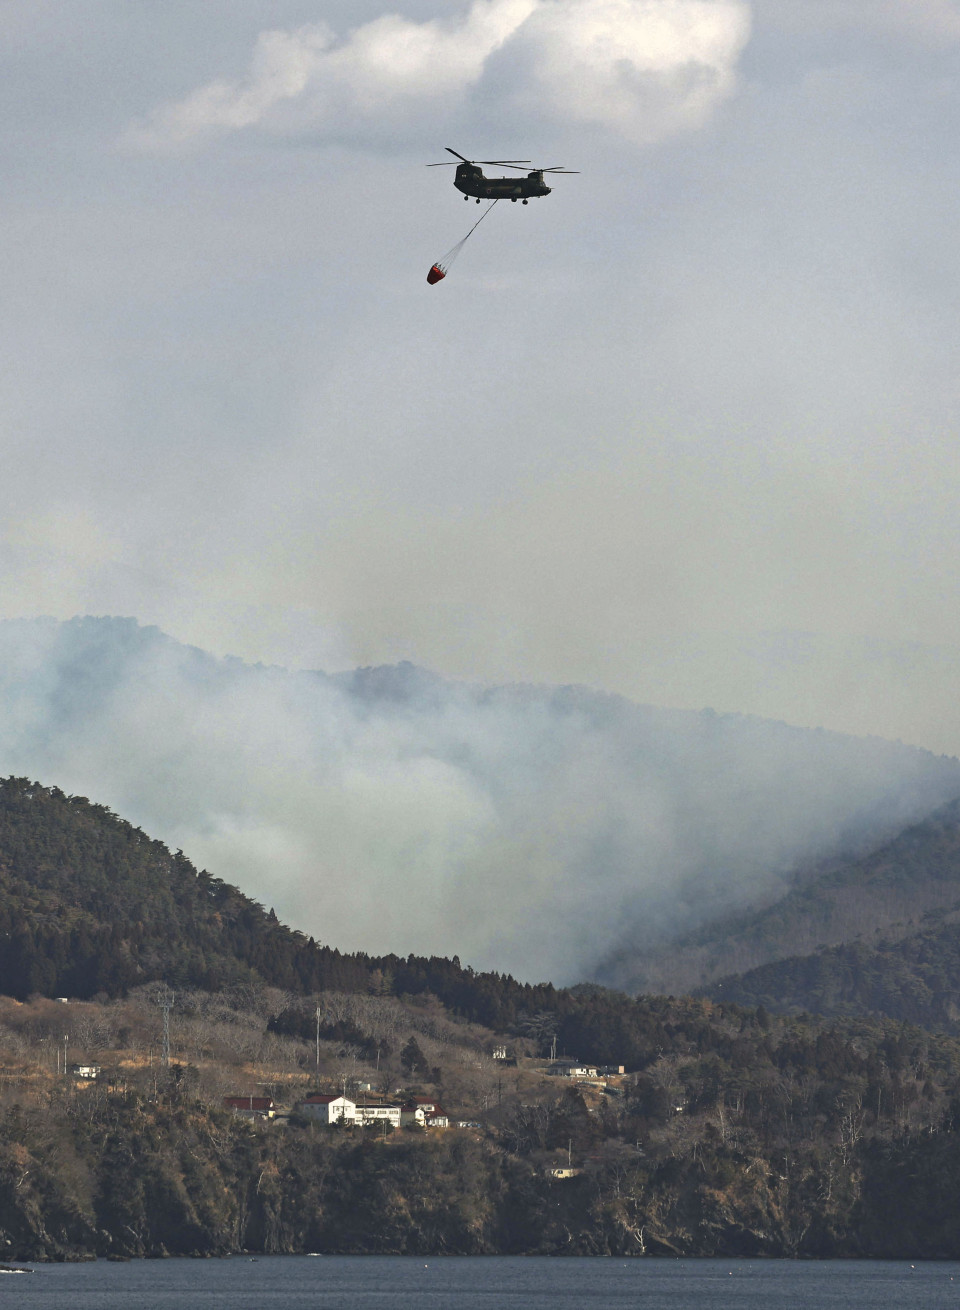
(416, 1111)
(332, 1109)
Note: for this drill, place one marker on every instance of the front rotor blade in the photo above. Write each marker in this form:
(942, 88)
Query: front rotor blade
(457, 153)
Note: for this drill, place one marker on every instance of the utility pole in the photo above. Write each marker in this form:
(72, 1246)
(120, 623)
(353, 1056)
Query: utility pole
(166, 999)
(319, 1012)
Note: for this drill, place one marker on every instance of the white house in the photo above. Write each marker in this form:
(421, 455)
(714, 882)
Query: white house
(421, 1110)
(376, 1114)
(572, 1069)
(328, 1109)
(85, 1070)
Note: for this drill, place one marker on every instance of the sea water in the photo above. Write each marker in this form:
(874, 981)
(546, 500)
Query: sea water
(482, 1283)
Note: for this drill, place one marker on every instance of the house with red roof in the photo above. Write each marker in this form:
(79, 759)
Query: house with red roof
(328, 1109)
(251, 1107)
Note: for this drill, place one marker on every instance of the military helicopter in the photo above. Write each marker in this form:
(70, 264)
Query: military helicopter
(470, 180)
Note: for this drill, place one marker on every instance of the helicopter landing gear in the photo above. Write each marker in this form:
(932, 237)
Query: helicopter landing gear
(526, 202)
(478, 200)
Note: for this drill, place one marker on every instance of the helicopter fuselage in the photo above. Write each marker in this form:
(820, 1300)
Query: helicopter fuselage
(470, 180)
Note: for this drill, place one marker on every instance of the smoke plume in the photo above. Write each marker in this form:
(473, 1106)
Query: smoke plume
(529, 829)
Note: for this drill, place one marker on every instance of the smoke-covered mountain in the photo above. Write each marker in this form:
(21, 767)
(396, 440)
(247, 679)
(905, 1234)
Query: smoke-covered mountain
(907, 887)
(532, 829)
(878, 935)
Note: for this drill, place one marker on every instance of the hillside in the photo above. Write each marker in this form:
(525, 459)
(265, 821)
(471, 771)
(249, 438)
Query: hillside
(90, 905)
(915, 979)
(880, 897)
(733, 1132)
(538, 830)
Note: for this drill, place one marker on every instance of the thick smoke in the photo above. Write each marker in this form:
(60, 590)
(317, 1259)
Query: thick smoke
(529, 829)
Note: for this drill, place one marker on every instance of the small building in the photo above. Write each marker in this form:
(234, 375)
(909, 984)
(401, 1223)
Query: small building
(84, 1070)
(424, 1112)
(610, 1070)
(328, 1109)
(251, 1107)
(561, 1172)
(425, 1103)
(378, 1114)
(572, 1069)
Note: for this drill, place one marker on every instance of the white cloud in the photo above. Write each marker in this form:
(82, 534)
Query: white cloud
(643, 67)
(283, 64)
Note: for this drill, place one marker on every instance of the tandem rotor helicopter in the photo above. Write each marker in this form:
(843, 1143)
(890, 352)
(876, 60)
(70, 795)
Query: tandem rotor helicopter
(470, 180)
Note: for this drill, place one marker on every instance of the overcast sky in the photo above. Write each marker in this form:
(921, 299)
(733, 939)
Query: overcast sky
(706, 390)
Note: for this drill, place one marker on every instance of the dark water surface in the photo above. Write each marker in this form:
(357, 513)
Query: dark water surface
(491, 1283)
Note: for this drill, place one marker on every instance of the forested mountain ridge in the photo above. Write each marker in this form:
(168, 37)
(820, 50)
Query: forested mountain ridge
(89, 904)
(915, 979)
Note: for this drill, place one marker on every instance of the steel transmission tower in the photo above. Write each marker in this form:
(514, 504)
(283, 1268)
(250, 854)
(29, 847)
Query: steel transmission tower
(166, 999)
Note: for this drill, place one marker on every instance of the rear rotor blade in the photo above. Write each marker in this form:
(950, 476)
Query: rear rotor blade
(557, 169)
